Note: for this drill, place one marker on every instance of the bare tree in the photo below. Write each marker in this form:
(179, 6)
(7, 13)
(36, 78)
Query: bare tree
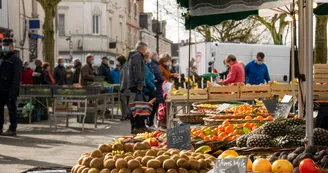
(320, 52)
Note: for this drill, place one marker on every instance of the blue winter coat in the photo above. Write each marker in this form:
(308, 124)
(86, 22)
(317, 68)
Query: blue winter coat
(149, 80)
(104, 70)
(159, 79)
(116, 76)
(256, 74)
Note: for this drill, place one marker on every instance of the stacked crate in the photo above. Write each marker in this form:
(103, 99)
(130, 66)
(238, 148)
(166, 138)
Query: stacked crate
(255, 91)
(320, 80)
(224, 92)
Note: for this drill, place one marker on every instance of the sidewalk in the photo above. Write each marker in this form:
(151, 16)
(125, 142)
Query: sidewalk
(37, 146)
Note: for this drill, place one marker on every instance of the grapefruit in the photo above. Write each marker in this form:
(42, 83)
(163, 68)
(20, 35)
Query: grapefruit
(282, 166)
(261, 165)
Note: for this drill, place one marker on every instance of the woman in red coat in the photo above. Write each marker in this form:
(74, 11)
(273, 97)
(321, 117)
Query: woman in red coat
(27, 74)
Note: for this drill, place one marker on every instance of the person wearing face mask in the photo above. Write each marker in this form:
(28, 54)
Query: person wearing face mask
(10, 78)
(60, 74)
(256, 71)
(164, 66)
(37, 80)
(87, 71)
(27, 78)
(223, 75)
(174, 66)
(236, 73)
(47, 78)
(77, 71)
(105, 71)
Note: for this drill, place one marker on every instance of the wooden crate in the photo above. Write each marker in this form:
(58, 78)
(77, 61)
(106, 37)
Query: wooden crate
(195, 94)
(321, 90)
(255, 91)
(282, 89)
(320, 73)
(223, 92)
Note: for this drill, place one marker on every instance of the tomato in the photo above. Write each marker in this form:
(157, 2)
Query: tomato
(157, 134)
(308, 166)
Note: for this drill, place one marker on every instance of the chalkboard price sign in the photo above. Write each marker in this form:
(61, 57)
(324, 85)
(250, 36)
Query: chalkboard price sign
(179, 137)
(282, 109)
(235, 165)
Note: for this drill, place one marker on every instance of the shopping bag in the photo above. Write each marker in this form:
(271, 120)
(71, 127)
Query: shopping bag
(140, 107)
(167, 86)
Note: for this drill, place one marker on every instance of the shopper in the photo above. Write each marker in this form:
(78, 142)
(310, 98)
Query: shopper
(236, 73)
(223, 75)
(87, 71)
(124, 90)
(136, 81)
(60, 74)
(193, 73)
(164, 66)
(116, 74)
(77, 71)
(27, 78)
(105, 71)
(174, 66)
(37, 72)
(10, 77)
(47, 78)
(256, 71)
(159, 79)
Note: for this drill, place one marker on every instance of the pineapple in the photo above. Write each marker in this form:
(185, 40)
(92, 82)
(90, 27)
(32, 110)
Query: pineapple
(274, 129)
(294, 121)
(290, 140)
(258, 131)
(259, 141)
(320, 136)
(241, 141)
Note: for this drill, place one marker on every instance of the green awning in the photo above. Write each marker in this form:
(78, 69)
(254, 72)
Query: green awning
(321, 10)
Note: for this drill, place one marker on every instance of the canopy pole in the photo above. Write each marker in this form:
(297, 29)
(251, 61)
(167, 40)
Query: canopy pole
(301, 56)
(293, 58)
(188, 81)
(309, 71)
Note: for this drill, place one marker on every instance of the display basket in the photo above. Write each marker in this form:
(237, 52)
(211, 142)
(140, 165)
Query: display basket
(320, 90)
(194, 94)
(223, 92)
(255, 91)
(210, 143)
(261, 150)
(192, 118)
(210, 121)
(282, 89)
(74, 91)
(38, 90)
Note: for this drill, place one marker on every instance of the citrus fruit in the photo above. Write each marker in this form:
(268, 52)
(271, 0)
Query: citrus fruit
(248, 118)
(249, 163)
(230, 152)
(261, 165)
(230, 157)
(282, 166)
(229, 129)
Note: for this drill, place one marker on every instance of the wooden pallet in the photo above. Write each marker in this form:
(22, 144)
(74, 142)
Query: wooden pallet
(255, 91)
(282, 89)
(223, 92)
(195, 94)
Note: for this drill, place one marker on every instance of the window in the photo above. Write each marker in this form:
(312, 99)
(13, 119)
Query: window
(0, 4)
(129, 6)
(121, 28)
(135, 9)
(61, 24)
(110, 28)
(96, 24)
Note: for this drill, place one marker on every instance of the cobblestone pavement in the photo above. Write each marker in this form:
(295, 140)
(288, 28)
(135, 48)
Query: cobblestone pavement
(36, 145)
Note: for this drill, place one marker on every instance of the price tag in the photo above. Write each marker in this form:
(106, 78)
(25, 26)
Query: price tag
(179, 137)
(223, 107)
(235, 165)
(282, 109)
(286, 99)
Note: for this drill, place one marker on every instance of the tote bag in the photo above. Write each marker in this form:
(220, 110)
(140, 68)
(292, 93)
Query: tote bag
(140, 107)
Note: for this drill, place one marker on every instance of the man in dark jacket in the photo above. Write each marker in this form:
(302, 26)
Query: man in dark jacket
(104, 70)
(87, 71)
(60, 75)
(136, 81)
(10, 77)
(77, 72)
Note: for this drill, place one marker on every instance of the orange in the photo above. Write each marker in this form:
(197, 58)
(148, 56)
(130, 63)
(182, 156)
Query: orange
(201, 136)
(229, 129)
(270, 117)
(220, 138)
(238, 132)
(248, 118)
(261, 165)
(215, 138)
(249, 163)
(230, 153)
(259, 118)
(221, 127)
(296, 116)
(254, 127)
(247, 125)
(282, 166)
(223, 135)
(226, 122)
(206, 138)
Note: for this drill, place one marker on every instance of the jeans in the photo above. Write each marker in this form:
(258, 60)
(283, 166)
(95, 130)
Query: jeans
(12, 108)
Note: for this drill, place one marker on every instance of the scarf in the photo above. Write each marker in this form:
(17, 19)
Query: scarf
(51, 78)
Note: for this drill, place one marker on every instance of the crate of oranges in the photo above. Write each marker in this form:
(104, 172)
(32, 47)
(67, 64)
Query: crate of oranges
(252, 118)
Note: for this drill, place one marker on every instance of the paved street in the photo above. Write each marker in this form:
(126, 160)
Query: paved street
(37, 146)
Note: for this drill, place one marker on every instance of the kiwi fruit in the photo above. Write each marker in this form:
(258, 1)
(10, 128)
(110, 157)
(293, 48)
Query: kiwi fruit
(161, 158)
(141, 153)
(118, 147)
(168, 164)
(153, 163)
(138, 170)
(150, 153)
(73, 170)
(192, 171)
(183, 163)
(172, 171)
(203, 164)
(139, 158)
(103, 148)
(81, 159)
(96, 163)
(116, 157)
(182, 170)
(173, 152)
(150, 170)
(160, 170)
(105, 170)
(121, 163)
(167, 154)
(93, 170)
(124, 170)
(110, 164)
(137, 146)
(128, 158)
(80, 169)
(160, 153)
(202, 171)
(184, 156)
(114, 170)
(146, 145)
(96, 153)
(85, 170)
(194, 164)
(86, 161)
(146, 159)
(175, 157)
(128, 148)
(133, 164)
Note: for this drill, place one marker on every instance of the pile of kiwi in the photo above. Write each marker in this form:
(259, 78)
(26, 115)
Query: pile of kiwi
(141, 158)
